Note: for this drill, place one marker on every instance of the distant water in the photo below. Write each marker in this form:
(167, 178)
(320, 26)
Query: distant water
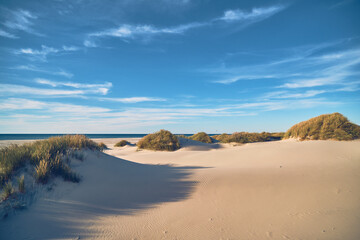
(45, 136)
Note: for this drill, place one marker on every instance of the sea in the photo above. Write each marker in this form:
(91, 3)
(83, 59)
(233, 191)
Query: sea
(45, 136)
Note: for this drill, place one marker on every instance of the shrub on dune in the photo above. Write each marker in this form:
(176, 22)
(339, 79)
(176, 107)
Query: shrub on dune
(201, 137)
(160, 141)
(327, 126)
(122, 143)
(45, 155)
(102, 146)
(246, 137)
(224, 138)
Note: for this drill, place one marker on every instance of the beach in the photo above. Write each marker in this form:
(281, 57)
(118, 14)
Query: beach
(285, 189)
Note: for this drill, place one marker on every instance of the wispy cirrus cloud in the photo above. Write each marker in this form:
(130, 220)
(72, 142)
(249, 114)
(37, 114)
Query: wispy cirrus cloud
(7, 35)
(41, 54)
(287, 94)
(313, 68)
(21, 20)
(20, 104)
(57, 72)
(53, 107)
(256, 14)
(129, 31)
(14, 89)
(93, 88)
(309, 93)
(80, 90)
(337, 68)
(85, 118)
(243, 77)
(134, 99)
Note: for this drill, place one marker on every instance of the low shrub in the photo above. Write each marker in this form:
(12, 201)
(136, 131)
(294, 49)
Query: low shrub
(122, 143)
(45, 155)
(327, 126)
(201, 137)
(102, 146)
(246, 137)
(161, 141)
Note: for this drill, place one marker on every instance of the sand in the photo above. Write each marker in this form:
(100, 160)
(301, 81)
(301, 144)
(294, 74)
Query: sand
(274, 190)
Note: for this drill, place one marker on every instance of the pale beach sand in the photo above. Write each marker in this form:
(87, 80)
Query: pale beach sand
(272, 190)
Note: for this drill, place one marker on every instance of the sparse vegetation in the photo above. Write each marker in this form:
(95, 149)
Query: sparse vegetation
(102, 146)
(161, 141)
(201, 137)
(42, 171)
(122, 143)
(21, 184)
(327, 126)
(8, 190)
(246, 137)
(46, 156)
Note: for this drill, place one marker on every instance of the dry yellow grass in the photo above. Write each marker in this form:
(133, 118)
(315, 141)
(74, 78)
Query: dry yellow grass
(327, 126)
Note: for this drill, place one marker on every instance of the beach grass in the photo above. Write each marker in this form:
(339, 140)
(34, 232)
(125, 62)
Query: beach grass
(246, 137)
(45, 156)
(201, 137)
(122, 143)
(327, 126)
(102, 146)
(162, 140)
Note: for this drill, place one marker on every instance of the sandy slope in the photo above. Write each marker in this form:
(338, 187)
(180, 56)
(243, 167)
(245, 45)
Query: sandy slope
(276, 190)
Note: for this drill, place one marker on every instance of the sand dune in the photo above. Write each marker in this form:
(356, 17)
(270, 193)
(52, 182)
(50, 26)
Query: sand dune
(274, 190)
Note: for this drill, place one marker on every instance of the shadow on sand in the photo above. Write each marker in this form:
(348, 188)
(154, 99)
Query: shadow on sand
(110, 186)
(191, 145)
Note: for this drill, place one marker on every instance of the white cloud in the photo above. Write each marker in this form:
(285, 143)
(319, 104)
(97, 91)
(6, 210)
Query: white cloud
(58, 72)
(72, 84)
(128, 31)
(256, 14)
(132, 31)
(42, 54)
(89, 43)
(312, 82)
(87, 118)
(243, 77)
(21, 20)
(50, 107)
(274, 105)
(316, 67)
(19, 103)
(12, 89)
(286, 94)
(7, 35)
(70, 48)
(90, 88)
(134, 99)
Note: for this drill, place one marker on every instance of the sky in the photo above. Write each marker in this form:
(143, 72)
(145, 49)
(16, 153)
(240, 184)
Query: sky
(137, 66)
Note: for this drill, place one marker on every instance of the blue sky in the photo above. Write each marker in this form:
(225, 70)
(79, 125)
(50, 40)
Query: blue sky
(136, 66)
